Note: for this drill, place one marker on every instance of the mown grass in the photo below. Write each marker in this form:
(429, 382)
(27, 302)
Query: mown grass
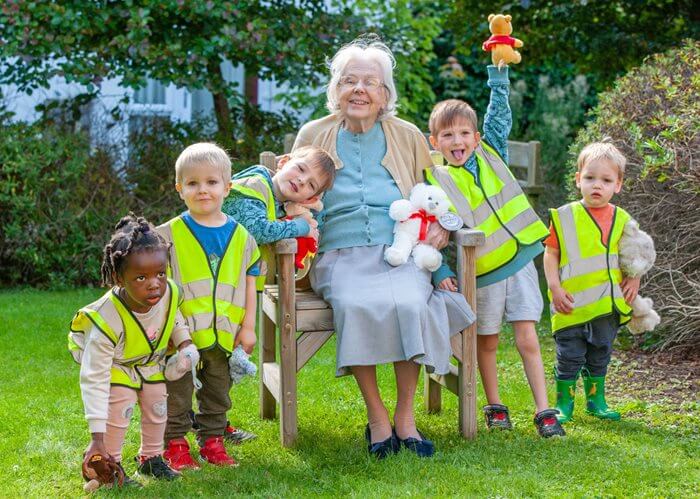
(653, 451)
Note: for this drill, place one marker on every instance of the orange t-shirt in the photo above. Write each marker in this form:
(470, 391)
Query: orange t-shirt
(603, 218)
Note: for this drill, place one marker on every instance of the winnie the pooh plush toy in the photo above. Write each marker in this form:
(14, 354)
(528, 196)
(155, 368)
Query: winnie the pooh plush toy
(500, 43)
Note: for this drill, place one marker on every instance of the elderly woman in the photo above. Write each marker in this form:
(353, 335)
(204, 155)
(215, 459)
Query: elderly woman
(382, 313)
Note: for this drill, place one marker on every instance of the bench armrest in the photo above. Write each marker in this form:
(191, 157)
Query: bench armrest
(285, 247)
(469, 237)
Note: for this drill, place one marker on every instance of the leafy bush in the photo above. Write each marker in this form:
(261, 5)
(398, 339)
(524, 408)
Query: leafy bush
(555, 114)
(60, 196)
(653, 115)
(56, 205)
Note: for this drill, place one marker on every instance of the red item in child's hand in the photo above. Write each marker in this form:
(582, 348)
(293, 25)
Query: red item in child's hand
(305, 246)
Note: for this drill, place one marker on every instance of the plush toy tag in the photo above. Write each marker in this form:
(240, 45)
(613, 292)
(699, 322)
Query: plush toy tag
(451, 221)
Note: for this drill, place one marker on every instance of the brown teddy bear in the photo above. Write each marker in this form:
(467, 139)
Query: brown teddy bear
(500, 43)
(101, 470)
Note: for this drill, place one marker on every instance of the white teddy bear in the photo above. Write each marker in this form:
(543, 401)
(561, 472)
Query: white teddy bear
(637, 256)
(426, 204)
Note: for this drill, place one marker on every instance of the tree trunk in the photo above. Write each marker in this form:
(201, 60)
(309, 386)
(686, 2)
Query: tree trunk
(222, 110)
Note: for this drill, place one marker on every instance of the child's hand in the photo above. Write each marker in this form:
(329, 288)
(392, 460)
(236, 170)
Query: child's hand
(246, 338)
(97, 446)
(448, 284)
(309, 219)
(630, 288)
(562, 300)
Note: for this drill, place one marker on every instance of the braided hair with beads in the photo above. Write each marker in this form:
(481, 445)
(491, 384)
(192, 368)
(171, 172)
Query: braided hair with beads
(132, 234)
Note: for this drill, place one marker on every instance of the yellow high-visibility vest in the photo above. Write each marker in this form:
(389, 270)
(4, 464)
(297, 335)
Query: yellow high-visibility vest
(214, 301)
(139, 361)
(496, 205)
(588, 269)
(256, 187)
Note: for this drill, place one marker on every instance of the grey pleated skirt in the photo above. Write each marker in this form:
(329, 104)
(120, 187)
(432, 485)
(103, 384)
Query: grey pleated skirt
(386, 314)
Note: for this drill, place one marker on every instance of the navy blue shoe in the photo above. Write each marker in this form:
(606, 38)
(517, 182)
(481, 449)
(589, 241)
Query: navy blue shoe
(384, 448)
(422, 447)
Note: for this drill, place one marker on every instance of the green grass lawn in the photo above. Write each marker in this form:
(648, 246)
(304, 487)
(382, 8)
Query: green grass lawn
(653, 451)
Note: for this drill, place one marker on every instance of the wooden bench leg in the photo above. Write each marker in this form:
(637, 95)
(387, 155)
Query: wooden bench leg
(466, 260)
(267, 354)
(288, 352)
(432, 394)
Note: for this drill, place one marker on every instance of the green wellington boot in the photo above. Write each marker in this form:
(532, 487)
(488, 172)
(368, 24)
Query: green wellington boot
(566, 392)
(595, 398)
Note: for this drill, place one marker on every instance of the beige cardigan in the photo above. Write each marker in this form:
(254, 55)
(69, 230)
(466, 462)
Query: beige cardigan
(407, 153)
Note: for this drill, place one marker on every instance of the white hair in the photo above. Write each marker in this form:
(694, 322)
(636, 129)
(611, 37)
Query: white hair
(363, 48)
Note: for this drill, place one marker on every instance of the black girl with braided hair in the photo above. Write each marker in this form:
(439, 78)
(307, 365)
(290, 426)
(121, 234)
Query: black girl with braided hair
(120, 342)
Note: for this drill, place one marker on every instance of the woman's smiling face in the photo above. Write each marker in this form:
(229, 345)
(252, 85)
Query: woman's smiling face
(362, 92)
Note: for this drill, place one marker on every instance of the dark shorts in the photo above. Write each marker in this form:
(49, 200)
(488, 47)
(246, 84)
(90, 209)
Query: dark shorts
(588, 345)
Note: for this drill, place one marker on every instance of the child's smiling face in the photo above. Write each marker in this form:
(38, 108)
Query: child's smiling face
(457, 141)
(298, 179)
(598, 181)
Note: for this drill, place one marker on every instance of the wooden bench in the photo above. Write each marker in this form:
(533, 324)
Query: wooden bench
(523, 161)
(304, 322)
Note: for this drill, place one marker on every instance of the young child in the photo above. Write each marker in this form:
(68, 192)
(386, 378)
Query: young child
(485, 194)
(120, 342)
(258, 198)
(589, 297)
(215, 261)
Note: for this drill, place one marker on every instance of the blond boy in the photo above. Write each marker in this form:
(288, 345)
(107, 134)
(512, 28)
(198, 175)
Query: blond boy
(589, 297)
(215, 260)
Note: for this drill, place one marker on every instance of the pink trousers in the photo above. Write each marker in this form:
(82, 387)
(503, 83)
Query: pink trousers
(152, 400)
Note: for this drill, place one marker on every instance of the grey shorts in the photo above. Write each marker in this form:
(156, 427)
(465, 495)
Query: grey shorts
(517, 298)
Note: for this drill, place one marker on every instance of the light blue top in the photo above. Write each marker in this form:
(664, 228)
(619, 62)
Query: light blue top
(356, 209)
(497, 124)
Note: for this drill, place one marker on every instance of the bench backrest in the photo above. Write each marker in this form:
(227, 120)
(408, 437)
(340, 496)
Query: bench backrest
(524, 158)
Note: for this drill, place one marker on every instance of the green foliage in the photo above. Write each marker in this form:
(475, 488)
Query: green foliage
(600, 39)
(56, 206)
(553, 118)
(653, 115)
(173, 41)
(408, 28)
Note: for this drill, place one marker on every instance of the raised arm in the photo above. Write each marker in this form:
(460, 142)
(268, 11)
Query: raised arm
(499, 119)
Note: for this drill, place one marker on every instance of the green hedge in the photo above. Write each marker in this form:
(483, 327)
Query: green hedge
(653, 116)
(57, 202)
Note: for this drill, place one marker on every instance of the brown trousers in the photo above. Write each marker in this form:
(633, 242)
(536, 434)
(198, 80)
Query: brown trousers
(212, 399)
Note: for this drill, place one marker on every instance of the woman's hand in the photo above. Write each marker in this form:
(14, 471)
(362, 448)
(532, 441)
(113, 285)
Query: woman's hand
(448, 284)
(437, 236)
(630, 288)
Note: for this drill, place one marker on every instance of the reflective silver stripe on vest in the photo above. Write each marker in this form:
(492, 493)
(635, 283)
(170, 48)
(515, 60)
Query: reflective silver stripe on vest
(149, 370)
(591, 295)
(569, 237)
(224, 324)
(196, 289)
(508, 192)
(460, 203)
(498, 238)
(227, 293)
(201, 321)
(497, 165)
(583, 267)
